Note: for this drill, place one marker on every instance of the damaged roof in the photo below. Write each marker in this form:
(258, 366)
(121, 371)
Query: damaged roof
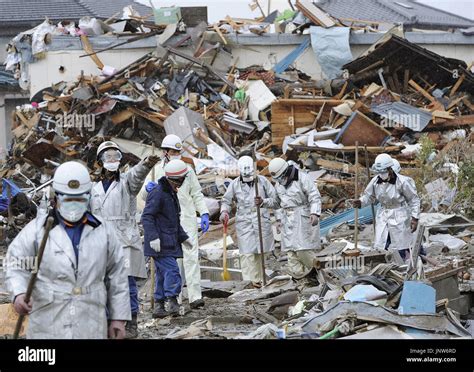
(408, 12)
(7, 81)
(27, 12)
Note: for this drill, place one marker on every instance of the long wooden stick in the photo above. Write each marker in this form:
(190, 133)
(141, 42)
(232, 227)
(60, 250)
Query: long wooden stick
(260, 235)
(356, 195)
(152, 260)
(34, 275)
(372, 208)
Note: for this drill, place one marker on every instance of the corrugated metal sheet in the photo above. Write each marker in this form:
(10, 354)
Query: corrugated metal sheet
(365, 218)
(403, 114)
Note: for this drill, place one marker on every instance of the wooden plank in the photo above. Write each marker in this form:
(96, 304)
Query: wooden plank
(121, 116)
(362, 129)
(422, 91)
(406, 79)
(86, 45)
(338, 166)
(314, 13)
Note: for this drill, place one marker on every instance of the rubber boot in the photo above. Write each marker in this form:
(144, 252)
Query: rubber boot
(159, 311)
(172, 305)
(131, 329)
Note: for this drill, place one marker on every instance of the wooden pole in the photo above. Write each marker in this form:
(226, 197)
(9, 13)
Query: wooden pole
(356, 195)
(372, 208)
(31, 283)
(260, 235)
(152, 260)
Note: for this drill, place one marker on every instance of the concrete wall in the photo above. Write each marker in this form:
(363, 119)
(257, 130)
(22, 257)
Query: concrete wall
(46, 72)
(8, 103)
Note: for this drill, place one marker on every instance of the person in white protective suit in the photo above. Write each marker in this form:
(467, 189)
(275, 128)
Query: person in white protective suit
(114, 198)
(300, 207)
(397, 217)
(242, 191)
(82, 275)
(191, 200)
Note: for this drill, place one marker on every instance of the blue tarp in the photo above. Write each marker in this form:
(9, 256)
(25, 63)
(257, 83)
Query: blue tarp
(291, 57)
(6, 184)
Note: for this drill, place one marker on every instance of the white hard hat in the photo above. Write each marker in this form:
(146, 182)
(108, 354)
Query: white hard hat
(176, 169)
(107, 145)
(172, 141)
(382, 163)
(72, 178)
(396, 166)
(246, 167)
(277, 167)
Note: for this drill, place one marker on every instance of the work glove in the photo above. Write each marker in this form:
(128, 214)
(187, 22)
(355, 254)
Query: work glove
(21, 307)
(258, 201)
(224, 217)
(205, 222)
(151, 161)
(117, 329)
(414, 224)
(314, 219)
(155, 245)
(278, 226)
(187, 244)
(356, 203)
(150, 186)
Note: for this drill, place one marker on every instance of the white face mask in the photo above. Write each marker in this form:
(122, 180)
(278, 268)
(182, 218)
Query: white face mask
(174, 157)
(112, 167)
(384, 176)
(72, 211)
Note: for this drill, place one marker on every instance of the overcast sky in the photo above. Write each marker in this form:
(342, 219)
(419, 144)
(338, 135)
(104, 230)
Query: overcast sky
(218, 9)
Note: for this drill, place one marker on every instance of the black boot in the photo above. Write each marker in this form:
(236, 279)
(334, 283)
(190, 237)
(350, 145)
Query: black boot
(197, 304)
(173, 306)
(159, 311)
(131, 329)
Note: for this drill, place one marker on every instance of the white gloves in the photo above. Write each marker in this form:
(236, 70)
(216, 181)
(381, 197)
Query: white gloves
(155, 245)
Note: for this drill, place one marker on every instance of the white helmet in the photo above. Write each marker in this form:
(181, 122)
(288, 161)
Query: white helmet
(382, 163)
(396, 166)
(107, 145)
(176, 169)
(72, 178)
(277, 167)
(246, 167)
(172, 141)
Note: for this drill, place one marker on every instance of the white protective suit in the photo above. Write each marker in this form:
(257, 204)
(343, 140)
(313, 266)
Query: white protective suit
(399, 202)
(191, 200)
(119, 206)
(70, 300)
(299, 238)
(247, 223)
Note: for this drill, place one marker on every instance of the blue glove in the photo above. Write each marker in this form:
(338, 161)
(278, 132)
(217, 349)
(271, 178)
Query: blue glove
(150, 186)
(205, 222)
